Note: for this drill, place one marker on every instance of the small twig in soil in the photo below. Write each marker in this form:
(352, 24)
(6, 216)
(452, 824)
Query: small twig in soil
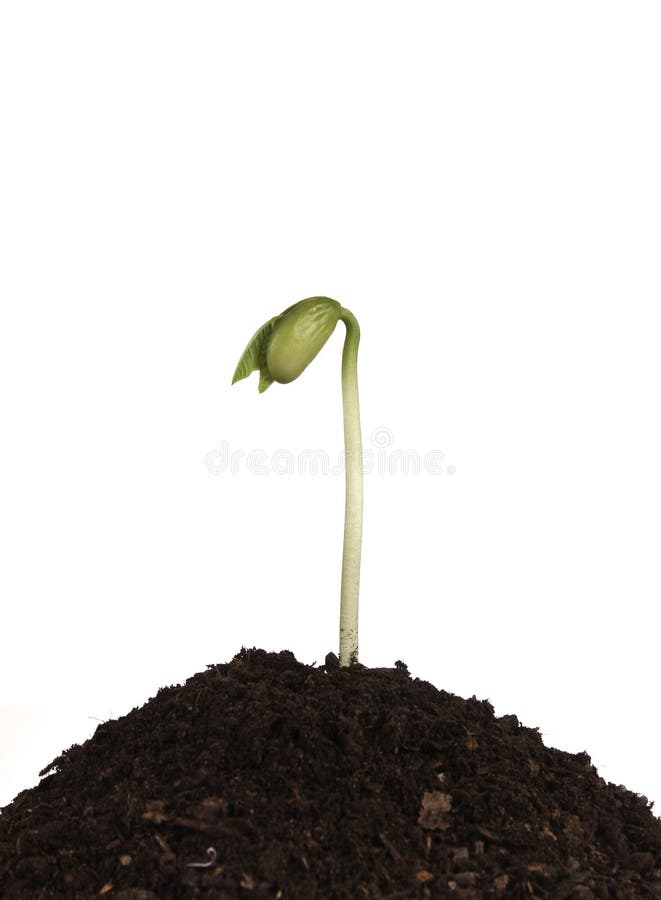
(213, 856)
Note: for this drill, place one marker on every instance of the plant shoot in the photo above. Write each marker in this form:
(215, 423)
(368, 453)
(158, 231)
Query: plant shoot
(280, 350)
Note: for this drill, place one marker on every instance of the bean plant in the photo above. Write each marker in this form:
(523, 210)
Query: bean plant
(280, 350)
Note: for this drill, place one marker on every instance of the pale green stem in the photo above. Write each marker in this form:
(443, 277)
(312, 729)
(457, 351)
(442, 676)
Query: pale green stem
(353, 510)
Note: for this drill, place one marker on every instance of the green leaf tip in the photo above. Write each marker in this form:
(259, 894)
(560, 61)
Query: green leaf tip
(285, 345)
(254, 357)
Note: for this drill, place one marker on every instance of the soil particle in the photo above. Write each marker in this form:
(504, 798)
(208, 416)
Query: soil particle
(267, 778)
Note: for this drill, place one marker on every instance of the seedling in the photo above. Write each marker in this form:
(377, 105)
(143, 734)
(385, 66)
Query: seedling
(280, 350)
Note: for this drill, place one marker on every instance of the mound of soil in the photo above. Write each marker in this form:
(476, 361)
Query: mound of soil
(267, 778)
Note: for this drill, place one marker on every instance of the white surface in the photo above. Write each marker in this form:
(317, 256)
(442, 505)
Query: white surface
(480, 184)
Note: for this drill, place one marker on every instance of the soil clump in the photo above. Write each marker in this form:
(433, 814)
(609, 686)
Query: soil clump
(268, 778)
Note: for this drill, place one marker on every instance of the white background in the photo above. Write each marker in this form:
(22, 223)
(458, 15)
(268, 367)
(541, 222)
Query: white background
(479, 183)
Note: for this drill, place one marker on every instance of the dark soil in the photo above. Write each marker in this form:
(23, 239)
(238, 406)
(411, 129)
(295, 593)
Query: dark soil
(320, 782)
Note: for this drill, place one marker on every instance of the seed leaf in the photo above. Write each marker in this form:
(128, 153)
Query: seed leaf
(254, 356)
